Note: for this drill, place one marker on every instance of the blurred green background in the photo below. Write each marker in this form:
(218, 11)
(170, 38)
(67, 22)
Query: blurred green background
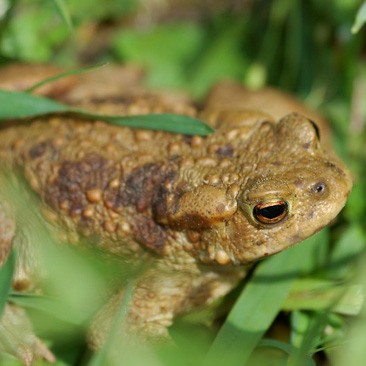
(299, 45)
(305, 47)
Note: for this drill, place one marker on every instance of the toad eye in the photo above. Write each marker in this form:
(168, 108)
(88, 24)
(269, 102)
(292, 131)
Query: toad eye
(271, 212)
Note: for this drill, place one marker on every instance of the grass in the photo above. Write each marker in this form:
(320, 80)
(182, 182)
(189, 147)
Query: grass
(6, 278)
(16, 105)
(256, 308)
(301, 307)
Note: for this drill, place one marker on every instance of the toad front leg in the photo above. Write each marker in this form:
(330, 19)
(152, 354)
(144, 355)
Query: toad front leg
(159, 295)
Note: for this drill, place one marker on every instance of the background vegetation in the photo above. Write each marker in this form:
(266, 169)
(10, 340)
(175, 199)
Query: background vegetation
(302, 46)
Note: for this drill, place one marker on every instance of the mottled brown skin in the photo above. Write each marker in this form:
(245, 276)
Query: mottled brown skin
(186, 202)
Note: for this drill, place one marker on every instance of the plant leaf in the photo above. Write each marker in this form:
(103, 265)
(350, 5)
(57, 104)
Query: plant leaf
(101, 356)
(309, 339)
(360, 19)
(6, 278)
(21, 105)
(175, 123)
(64, 13)
(317, 294)
(285, 347)
(63, 75)
(349, 245)
(255, 309)
(49, 305)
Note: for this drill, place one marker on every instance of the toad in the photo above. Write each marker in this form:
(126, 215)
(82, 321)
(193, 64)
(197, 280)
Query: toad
(200, 208)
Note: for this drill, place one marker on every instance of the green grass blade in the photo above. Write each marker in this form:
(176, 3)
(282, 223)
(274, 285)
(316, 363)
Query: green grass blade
(51, 306)
(8, 360)
(100, 357)
(21, 105)
(256, 308)
(286, 348)
(175, 123)
(360, 19)
(63, 75)
(348, 246)
(309, 339)
(319, 294)
(6, 17)
(75, 294)
(64, 13)
(15, 105)
(6, 278)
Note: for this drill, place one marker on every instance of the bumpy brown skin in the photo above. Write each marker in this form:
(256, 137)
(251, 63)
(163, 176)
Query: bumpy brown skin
(185, 201)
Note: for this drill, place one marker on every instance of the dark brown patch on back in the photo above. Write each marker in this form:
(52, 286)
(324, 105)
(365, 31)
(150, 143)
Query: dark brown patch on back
(75, 178)
(187, 139)
(225, 151)
(38, 150)
(141, 186)
(148, 233)
(159, 204)
(120, 99)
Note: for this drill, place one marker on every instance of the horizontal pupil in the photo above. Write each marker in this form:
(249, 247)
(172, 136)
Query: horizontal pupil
(271, 212)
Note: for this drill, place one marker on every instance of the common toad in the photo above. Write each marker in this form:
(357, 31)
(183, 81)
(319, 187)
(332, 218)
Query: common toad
(201, 208)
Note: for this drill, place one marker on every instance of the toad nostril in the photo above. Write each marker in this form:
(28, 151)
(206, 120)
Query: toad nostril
(319, 187)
